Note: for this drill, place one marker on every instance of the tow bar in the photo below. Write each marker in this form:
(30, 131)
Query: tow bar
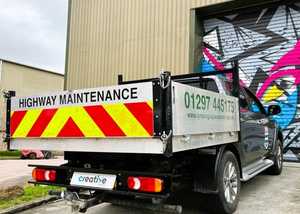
(81, 205)
(77, 204)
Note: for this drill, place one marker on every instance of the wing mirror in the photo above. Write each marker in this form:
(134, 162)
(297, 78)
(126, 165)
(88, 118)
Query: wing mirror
(274, 109)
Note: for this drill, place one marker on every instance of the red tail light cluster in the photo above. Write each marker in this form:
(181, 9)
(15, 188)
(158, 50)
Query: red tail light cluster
(145, 184)
(44, 174)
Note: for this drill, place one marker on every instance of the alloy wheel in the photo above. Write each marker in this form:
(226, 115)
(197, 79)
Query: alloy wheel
(230, 182)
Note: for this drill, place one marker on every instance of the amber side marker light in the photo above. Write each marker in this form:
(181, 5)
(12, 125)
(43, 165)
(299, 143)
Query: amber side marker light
(145, 184)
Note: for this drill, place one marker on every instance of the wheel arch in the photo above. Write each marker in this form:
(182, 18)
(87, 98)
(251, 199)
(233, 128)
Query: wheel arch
(232, 148)
(280, 136)
(206, 174)
(235, 151)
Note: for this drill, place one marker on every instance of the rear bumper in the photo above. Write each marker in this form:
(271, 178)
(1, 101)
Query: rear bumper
(64, 175)
(108, 192)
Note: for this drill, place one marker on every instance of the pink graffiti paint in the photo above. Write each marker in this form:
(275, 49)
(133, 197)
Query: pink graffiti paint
(218, 65)
(291, 58)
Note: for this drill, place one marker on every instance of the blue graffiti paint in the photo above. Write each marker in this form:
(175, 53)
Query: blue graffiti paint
(204, 66)
(288, 110)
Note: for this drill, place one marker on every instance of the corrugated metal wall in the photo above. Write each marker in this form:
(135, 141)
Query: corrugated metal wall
(25, 80)
(266, 41)
(132, 37)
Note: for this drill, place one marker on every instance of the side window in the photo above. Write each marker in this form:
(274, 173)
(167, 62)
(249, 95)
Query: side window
(212, 86)
(253, 104)
(243, 99)
(206, 83)
(227, 86)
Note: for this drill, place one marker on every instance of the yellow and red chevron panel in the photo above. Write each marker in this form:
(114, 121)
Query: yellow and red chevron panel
(94, 121)
(114, 111)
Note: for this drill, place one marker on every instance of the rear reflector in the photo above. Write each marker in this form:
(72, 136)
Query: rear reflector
(43, 174)
(145, 184)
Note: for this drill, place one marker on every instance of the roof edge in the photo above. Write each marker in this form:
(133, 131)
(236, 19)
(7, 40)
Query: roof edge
(32, 67)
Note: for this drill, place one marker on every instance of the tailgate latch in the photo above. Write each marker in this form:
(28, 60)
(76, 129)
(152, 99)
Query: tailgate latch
(165, 137)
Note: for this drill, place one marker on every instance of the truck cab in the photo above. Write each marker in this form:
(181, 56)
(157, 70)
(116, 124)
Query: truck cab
(258, 128)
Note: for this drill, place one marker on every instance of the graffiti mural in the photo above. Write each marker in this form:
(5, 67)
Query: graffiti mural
(266, 43)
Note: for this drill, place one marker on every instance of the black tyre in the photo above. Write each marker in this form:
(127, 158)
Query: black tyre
(276, 169)
(47, 154)
(32, 156)
(229, 184)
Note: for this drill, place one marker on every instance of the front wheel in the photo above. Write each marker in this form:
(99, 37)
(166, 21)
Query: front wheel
(276, 169)
(229, 184)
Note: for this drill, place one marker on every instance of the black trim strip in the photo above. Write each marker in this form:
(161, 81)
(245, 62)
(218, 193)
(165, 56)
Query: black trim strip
(115, 192)
(8, 95)
(157, 108)
(177, 78)
(153, 174)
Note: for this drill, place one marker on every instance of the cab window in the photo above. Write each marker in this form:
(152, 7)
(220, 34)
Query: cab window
(206, 83)
(253, 104)
(211, 85)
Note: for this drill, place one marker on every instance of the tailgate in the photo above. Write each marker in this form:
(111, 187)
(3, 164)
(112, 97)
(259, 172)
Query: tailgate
(83, 120)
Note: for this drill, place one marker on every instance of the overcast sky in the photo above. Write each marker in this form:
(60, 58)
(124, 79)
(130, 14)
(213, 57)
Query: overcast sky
(33, 32)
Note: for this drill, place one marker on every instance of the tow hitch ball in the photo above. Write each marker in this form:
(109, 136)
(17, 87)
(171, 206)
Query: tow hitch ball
(73, 199)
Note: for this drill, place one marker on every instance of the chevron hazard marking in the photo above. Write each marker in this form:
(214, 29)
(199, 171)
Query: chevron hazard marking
(16, 118)
(27, 122)
(88, 127)
(125, 120)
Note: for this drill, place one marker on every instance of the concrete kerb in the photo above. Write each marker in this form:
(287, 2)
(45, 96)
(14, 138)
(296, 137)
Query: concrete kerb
(291, 164)
(29, 205)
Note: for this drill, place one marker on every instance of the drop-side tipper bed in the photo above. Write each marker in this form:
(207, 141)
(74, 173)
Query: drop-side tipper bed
(147, 139)
(142, 117)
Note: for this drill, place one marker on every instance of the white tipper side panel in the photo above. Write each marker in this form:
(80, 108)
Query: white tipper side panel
(202, 118)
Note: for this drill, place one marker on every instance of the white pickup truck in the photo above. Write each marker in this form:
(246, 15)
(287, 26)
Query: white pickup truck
(142, 142)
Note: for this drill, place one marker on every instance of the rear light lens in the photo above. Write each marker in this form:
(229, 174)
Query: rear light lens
(145, 184)
(44, 174)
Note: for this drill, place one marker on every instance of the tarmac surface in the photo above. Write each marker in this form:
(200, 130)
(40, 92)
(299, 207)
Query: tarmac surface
(262, 195)
(17, 172)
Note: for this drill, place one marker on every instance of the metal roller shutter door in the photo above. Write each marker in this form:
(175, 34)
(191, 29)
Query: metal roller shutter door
(266, 42)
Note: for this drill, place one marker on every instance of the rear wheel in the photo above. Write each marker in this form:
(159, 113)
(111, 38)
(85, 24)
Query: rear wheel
(229, 184)
(276, 169)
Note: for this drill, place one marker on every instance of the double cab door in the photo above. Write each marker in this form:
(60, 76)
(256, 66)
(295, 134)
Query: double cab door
(256, 128)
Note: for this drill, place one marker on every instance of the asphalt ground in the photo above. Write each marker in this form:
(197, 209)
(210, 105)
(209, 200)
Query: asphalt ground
(262, 195)
(17, 172)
